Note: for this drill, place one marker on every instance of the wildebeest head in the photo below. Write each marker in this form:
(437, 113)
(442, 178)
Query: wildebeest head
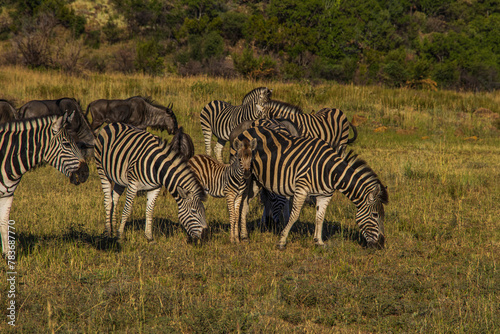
(244, 151)
(163, 118)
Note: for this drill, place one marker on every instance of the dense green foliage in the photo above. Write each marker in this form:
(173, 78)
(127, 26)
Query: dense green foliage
(454, 44)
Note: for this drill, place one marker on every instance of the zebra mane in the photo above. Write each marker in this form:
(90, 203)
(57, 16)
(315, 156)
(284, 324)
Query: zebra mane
(289, 107)
(361, 166)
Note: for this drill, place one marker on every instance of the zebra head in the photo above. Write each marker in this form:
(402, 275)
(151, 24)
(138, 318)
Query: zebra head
(244, 151)
(63, 153)
(192, 212)
(370, 216)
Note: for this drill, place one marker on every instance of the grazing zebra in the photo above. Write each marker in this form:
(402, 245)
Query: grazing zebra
(229, 181)
(25, 144)
(220, 118)
(298, 167)
(330, 125)
(127, 157)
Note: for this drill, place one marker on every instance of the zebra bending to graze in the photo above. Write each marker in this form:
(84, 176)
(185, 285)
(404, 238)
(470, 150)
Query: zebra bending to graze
(330, 125)
(229, 181)
(220, 118)
(127, 157)
(25, 144)
(298, 167)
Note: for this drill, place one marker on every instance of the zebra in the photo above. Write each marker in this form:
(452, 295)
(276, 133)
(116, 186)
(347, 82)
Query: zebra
(229, 181)
(328, 124)
(27, 143)
(299, 166)
(274, 205)
(220, 118)
(133, 159)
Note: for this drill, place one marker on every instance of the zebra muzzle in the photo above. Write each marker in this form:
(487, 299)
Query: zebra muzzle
(80, 175)
(379, 244)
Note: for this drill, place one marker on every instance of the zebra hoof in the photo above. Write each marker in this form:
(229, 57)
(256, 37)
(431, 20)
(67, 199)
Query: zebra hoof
(281, 246)
(151, 241)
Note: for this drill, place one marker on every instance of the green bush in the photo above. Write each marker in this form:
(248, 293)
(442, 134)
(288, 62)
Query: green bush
(148, 58)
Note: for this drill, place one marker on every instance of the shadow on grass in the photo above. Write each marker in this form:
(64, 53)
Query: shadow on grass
(26, 242)
(306, 228)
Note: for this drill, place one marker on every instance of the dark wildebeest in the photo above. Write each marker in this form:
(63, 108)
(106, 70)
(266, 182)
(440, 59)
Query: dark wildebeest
(137, 111)
(78, 129)
(7, 111)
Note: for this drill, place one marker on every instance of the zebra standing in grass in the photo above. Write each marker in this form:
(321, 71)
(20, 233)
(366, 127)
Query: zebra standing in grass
(25, 144)
(127, 157)
(298, 167)
(220, 118)
(229, 181)
(330, 125)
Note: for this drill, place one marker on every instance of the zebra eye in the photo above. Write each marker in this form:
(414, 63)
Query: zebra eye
(375, 215)
(66, 144)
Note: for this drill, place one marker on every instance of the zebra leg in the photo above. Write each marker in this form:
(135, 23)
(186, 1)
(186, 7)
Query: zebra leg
(298, 202)
(321, 205)
(127, 210)
(240, 225)
(233, 219)
(207, 136)
(107, 188)
(5, 205)
(152, 196)
(115, 197)
(218, 149)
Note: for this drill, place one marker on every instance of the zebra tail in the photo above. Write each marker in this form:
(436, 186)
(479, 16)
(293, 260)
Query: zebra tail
(354, 132)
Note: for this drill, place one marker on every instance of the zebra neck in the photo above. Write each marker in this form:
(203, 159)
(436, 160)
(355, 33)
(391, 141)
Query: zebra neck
(350, 181)
(234, 168)
(171, 171)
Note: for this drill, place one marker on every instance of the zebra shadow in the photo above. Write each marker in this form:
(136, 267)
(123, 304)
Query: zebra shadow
(27, 242)
(330, 229)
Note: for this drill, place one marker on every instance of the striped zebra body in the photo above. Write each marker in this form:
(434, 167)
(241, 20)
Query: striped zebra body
(25, 144)
(330, 125)
(227, 180)
(219, 118)
(133, 159)
(298, 167)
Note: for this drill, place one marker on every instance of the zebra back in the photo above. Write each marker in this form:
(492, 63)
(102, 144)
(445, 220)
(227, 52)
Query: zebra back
(284, 165)
(330, 125)
(219, 118)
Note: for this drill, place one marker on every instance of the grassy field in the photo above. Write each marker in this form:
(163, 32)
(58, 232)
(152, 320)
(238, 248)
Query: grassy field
(437, 151)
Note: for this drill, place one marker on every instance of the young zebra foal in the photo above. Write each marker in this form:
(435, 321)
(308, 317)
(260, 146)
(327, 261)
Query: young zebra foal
(127, 157)
(229, 181)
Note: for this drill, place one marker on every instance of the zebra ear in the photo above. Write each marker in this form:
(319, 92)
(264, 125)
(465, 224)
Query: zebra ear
(184, 193)
(375, 193)
(64, 120)
(253, 144)
(236, 144)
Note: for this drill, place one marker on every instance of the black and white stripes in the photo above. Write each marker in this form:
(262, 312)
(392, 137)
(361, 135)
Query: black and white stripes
(132, 159)
(219, 118)
(298, 167)
(330, 125)
(25, 144)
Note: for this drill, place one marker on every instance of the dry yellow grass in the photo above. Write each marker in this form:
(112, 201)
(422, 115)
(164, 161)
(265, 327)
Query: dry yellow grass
(438, 274)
